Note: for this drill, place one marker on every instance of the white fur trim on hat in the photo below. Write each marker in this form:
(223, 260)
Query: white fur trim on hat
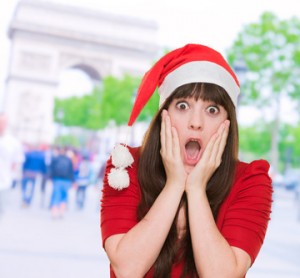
(199, 71)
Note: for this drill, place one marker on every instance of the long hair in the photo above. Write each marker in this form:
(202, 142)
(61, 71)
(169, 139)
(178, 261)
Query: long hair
(218, 186)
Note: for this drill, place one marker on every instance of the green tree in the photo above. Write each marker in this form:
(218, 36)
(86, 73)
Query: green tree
(78, 111)
(255, 140)
(113, 100)
(289, 147)
(270, 51)
(117, 98)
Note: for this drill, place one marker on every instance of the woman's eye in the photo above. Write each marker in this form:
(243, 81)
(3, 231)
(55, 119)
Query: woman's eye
(182, 105)
(212, 110)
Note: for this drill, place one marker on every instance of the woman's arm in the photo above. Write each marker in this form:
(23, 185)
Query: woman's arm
(133, 254)
(214, 257)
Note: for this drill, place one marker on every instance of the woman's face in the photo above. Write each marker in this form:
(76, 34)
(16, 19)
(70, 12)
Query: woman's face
(195, 121)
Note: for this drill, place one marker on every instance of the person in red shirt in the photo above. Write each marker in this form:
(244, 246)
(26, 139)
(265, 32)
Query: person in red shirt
(182, 204)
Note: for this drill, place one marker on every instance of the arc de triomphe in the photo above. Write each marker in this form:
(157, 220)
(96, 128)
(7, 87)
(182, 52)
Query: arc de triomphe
(47, 38)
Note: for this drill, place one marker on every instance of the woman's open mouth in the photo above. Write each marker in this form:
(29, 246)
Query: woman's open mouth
(192, 151)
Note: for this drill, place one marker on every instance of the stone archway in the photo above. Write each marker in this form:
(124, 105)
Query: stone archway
(91, 72)
(47, 38)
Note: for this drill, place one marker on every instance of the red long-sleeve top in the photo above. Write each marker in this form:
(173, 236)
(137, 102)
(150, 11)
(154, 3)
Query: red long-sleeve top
(242, 220)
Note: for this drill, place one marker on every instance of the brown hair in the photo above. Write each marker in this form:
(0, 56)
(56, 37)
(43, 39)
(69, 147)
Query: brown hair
(218, 186)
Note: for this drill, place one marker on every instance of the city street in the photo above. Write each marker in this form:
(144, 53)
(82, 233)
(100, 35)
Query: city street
(33, 245)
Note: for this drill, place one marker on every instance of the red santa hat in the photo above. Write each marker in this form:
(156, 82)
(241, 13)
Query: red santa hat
(189, 64)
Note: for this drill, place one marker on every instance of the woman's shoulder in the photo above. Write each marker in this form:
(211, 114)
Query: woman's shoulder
(252, 184)
(244, 215)
(256, 167)
(135, 152)
(252, 175)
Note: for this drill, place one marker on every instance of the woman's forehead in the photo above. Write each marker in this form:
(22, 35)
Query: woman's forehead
(204, 95)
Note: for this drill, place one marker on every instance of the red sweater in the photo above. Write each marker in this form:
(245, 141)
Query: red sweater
(242, 220)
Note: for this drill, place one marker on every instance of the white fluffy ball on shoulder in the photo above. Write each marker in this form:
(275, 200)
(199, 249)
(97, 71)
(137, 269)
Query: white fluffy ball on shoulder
(121, 157)
(118, 178)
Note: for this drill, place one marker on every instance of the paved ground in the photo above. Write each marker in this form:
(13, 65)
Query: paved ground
(34, 245)
(280, 255)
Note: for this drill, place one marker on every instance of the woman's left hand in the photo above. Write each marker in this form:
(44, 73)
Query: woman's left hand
(210, 160)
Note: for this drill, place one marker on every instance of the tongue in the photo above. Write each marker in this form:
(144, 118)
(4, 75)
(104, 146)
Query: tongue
(192, 149)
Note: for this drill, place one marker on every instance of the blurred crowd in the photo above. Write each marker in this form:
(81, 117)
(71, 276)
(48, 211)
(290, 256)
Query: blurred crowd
(24, 167)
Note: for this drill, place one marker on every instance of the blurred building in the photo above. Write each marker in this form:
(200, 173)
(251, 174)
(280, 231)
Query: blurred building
(48, 38)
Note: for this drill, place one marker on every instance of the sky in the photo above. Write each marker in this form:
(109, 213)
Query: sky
(212, 22)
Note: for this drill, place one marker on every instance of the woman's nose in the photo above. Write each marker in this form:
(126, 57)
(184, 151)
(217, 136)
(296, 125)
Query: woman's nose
(196, 121)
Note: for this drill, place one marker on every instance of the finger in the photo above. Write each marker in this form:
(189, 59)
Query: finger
(220, 143)
(223, 140)
(168, 134)
(175, 143)
(209, 148)
(215, 148)
(163, 132)
(213, 145)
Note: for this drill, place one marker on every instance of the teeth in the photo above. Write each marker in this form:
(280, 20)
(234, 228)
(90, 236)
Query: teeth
(194, 140)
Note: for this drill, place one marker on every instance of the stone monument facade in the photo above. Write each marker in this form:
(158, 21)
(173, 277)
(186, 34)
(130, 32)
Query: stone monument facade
(48, 38)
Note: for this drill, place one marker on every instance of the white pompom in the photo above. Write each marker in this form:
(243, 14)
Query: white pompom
(118, 178)
(121, 157)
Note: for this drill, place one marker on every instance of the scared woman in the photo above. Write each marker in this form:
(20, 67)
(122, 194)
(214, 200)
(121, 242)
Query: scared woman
(183, 204)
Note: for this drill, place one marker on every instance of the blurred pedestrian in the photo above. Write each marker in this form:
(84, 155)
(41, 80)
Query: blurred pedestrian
(84, 176)
(48, 154)
(100, 174)
(34, 167)
(62, 175)
(11, 159)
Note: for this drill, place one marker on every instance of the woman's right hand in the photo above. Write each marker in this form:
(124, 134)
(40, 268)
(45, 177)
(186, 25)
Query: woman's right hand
(170, 152)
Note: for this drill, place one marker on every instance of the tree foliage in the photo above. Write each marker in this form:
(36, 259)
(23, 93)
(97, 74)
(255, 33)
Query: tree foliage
(269, 50)
(255, 139)
(255, 143)
(271, 53)
(112, 101)
(79, 111)
(118, 98)
(289, 147)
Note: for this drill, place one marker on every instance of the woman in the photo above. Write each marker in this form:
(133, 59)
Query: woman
(189, 208)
